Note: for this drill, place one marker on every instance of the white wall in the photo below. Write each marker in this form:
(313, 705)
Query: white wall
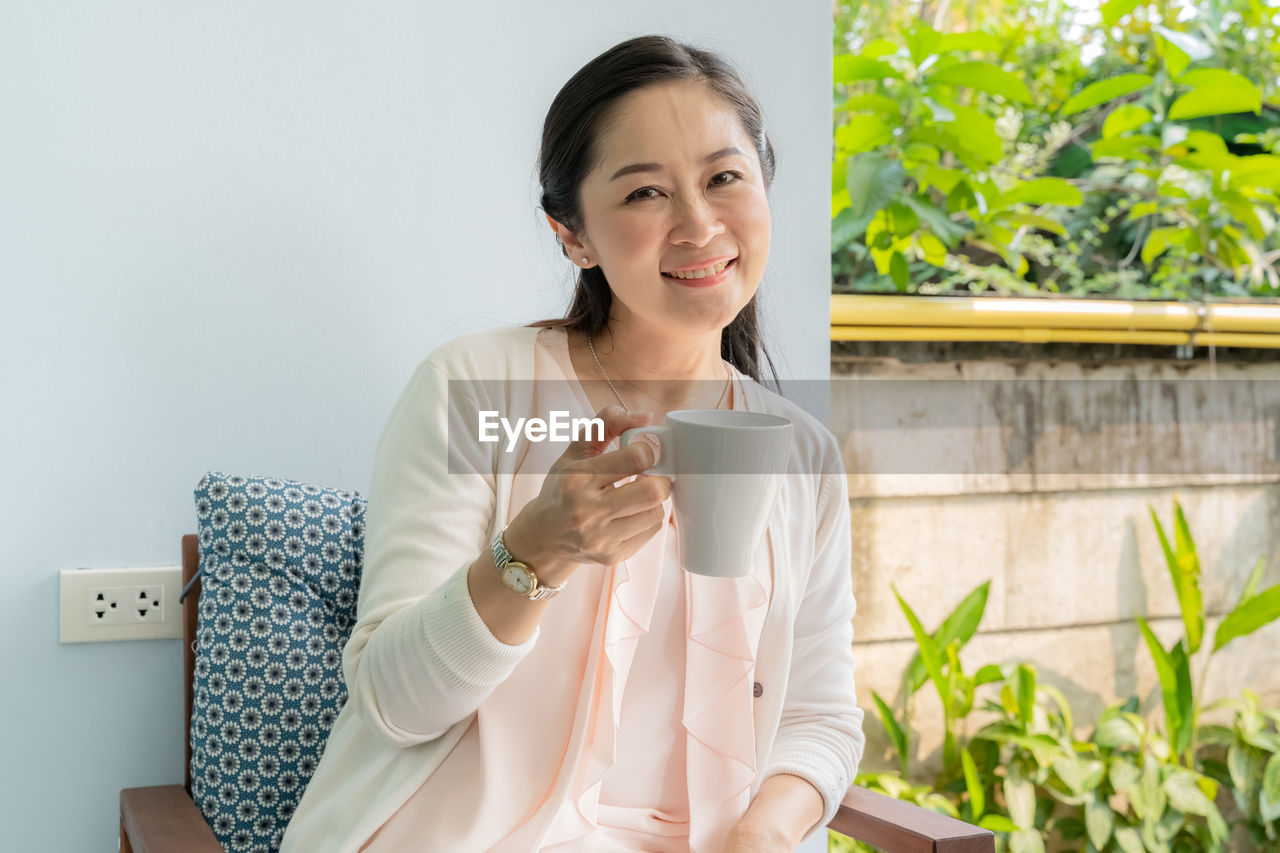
(227, 234)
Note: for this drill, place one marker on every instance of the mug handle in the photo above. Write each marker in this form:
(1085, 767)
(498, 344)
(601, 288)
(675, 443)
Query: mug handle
(662, 467)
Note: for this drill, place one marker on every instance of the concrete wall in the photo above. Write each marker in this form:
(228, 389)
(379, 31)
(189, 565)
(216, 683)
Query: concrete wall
(1039, 475)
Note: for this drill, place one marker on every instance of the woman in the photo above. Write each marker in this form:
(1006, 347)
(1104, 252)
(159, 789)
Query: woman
(614, 701)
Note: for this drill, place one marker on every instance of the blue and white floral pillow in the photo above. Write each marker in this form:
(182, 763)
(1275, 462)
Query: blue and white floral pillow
(280, 569)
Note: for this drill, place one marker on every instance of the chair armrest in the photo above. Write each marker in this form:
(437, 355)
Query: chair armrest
(904, 827)
(163, 819)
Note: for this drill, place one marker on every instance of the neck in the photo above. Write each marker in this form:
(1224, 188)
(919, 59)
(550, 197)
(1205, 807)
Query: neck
(661, 373)
(636, 357)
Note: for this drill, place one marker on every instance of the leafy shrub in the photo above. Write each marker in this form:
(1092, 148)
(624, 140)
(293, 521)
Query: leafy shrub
(1128, 787)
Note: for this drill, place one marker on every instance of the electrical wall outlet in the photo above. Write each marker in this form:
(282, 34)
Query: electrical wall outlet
(99, 605)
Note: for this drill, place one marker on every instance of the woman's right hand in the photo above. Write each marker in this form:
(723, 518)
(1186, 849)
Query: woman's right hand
(580, 516)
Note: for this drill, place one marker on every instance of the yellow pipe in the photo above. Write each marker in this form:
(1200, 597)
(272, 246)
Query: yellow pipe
(874, 316)
(1237, 339)
(1020, 335)
(1243, 318)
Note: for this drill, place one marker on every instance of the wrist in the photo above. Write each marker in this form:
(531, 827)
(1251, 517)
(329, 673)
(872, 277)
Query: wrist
(528, 549)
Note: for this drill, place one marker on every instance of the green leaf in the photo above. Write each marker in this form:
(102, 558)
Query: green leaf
(1026, 841)
(975, 136)
(921, 152)
(1115, 733)
(987, 674)
(1249, 616)
(1251, 585)
(1099, 821)
(847, 69)
(1175, 58)
(942, 225)
(1124, 118)
(863, 132)
(1033, 220)
(997, 823)
(1217, 92)
(977, 798)
(1042, 191)
(934, 252)
(899, 271)
(1160, 239)
(903, 221)
(927, 648)
(1020, 798)
(1133, 147)
(873, 103)
(1114, 10)
(897, 736)
(922, 42)
(1216, 735)
(1184, 570)
(1271, 779)
(970, 41)
(985, 77)
(1185, 795)
(873, 180)
(1245, 765)
(1129, 841)
(878, 48)
(1105, 90)
(1175, 685)
(1147, 798)
(1026, 694)
(958, 627)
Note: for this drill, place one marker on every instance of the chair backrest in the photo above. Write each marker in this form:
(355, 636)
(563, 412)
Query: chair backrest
(272, 580)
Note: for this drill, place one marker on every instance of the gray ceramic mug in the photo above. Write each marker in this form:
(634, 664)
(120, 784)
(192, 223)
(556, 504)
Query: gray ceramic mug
(726, 471)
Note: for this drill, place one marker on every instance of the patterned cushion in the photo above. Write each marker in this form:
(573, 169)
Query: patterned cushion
(280, 571)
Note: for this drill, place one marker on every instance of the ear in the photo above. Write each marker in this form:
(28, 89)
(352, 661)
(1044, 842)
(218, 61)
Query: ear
(574, 247)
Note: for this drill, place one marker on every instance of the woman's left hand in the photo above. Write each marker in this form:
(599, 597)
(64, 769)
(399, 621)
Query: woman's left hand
(744, 839)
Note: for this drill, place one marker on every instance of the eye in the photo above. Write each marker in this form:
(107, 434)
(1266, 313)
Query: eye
(639, 195)
(733, 177)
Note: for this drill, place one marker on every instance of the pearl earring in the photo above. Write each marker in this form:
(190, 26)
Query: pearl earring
(585, 260)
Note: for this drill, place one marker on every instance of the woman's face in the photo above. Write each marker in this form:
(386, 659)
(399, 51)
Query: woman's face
(677, 189)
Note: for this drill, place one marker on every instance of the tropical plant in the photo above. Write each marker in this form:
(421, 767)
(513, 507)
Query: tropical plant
(1131, 785)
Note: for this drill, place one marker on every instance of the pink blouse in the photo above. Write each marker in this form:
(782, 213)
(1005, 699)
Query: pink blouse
(668, 754)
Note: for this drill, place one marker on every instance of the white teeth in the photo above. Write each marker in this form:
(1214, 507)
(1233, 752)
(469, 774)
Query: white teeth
(702, 273)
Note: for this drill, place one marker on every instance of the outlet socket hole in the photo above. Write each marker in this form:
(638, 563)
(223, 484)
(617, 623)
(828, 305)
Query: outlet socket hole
(113, 605)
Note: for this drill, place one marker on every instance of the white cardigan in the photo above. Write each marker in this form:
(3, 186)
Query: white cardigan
(420, 661)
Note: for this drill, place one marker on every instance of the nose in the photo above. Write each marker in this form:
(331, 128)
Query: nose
(697, 221)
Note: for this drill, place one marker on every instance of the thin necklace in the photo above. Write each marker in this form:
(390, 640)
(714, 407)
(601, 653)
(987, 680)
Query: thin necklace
(725, 390)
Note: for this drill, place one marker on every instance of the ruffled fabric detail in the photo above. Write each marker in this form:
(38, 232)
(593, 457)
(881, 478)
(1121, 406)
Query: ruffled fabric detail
(724, 620)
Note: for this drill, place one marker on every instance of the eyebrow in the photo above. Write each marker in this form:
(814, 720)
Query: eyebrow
(656, 167)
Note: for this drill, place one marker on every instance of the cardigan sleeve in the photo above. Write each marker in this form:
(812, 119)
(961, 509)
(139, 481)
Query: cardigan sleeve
(420, 659)
(820, 735)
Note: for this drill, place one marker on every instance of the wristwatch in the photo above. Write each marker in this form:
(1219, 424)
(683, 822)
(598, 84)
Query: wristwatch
(518, 577)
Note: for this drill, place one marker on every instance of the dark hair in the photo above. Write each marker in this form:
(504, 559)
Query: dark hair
(568, 153)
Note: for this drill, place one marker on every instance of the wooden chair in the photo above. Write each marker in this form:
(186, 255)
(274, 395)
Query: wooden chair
(163, 818)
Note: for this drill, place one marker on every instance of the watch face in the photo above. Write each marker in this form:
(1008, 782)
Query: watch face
(517, 578)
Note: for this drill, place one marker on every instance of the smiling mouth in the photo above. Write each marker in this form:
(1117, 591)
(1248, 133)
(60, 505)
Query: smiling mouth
(713, 270)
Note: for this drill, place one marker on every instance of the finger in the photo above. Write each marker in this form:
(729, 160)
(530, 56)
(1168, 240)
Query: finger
(645, 525)
(625, 462)
(616, 421)
(635, 495)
